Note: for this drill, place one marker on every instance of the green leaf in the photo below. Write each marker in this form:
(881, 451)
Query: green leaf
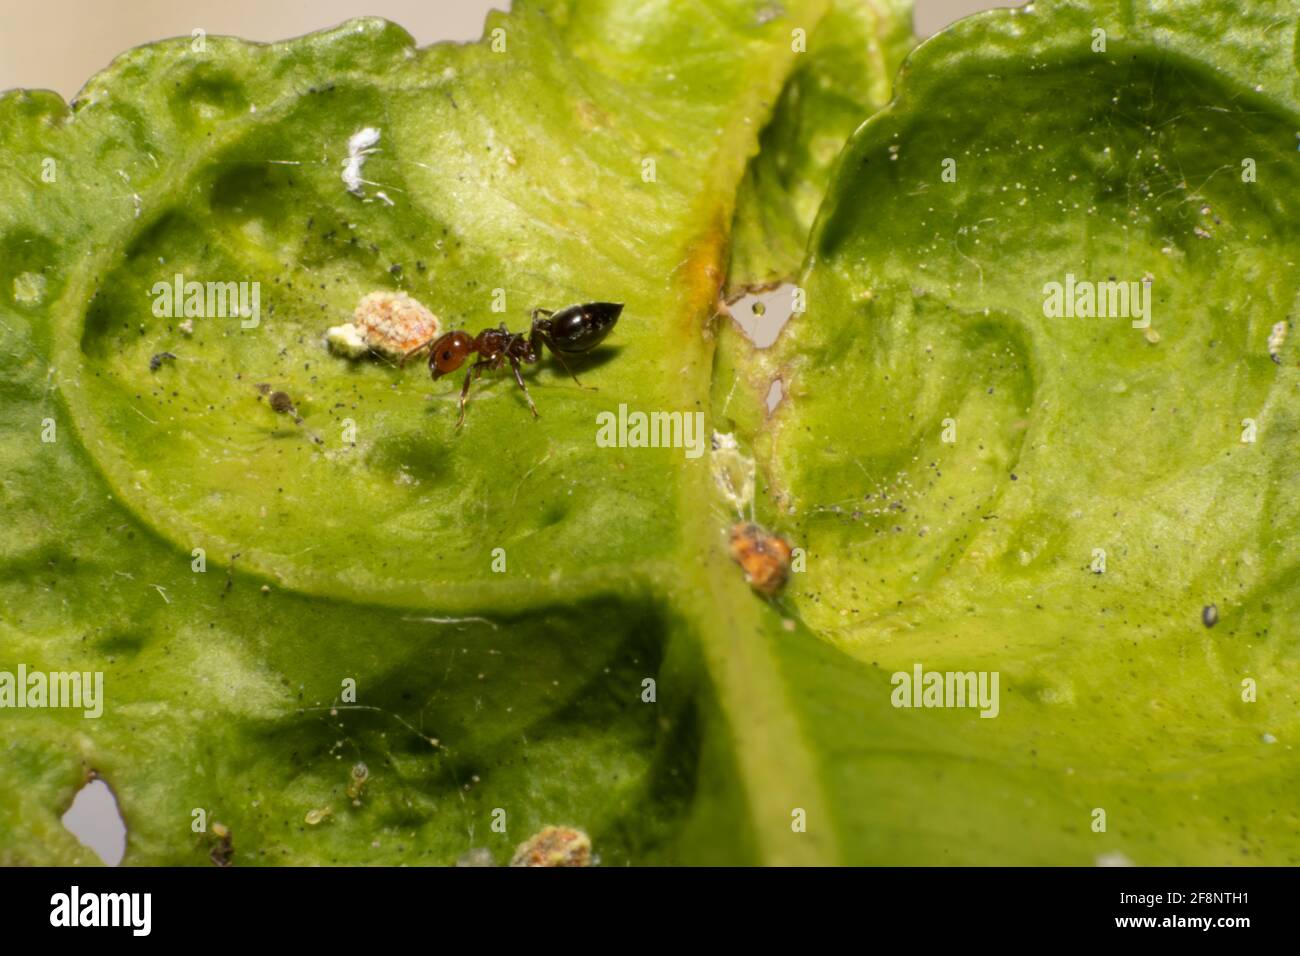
(522, 169)
(843, 76)
(1069, 437)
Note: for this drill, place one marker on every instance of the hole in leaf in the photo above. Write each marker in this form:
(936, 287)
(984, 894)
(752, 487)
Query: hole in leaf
(95, 820)
(774, 395)
(762, 315)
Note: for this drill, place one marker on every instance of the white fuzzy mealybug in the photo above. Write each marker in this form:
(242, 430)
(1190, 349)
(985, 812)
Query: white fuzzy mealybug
(553, 847)
(388, 323)
(346, 340)
(733, 472)
(1275, 340)
(360, 145)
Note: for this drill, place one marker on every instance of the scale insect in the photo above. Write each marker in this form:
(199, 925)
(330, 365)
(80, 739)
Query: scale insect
(568, 333)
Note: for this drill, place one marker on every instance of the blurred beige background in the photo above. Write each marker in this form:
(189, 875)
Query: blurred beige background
(59, 44)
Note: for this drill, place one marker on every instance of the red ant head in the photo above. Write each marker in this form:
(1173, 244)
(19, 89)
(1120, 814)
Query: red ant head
(449, 353)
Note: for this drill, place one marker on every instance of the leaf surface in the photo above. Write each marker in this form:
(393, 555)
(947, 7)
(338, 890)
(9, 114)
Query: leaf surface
(358, 543)
(980, 487)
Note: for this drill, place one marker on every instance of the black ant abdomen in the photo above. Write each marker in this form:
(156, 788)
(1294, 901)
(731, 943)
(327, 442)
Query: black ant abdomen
(579, 328)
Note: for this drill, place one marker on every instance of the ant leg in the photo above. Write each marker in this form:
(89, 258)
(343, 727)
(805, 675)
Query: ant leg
(535, 335)
(472, 375)
(464, 394)
(514, 364)
(560, 359)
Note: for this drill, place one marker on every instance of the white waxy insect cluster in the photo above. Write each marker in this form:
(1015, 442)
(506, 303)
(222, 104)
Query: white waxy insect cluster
(1275, 339)
(360, 145)
(391, 324)
(733, 472)
(346, 340)
(554, 847)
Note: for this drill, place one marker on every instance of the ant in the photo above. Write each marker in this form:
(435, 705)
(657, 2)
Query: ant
(571, 331)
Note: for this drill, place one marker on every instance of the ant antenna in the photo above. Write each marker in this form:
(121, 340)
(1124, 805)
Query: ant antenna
(419, 348)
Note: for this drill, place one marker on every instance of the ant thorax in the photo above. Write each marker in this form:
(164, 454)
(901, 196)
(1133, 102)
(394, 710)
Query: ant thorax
(491, 342)
(494, 343)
